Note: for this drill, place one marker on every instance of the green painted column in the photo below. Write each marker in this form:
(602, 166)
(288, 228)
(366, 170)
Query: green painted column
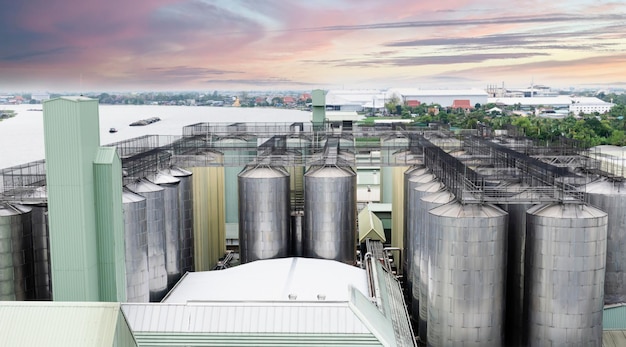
(107, 169)
(72, 139)
(318, 104)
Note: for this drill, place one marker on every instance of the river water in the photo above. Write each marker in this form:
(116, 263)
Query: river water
(22, 141)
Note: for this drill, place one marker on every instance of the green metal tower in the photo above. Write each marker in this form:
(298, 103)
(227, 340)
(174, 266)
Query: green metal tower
(318, 104)
(85, 214)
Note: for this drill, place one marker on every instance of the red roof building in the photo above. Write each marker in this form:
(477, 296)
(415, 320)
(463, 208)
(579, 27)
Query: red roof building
(413, 103)
(463, 104)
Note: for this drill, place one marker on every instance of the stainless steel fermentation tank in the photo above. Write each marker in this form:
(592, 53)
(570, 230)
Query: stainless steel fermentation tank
(37, 200)
(185, 202)
(409, 209)
(516, 255)
(170, 185)
(427, 203)
(330, 213)
(16, 263)
(136, 246)
(610, 197)
(264, 213)
(467, 272)
(155, 217)
(416, 232)
(564, 282)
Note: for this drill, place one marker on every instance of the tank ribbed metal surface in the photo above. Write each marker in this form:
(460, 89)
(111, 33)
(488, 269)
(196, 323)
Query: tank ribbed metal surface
(467, 273)
(416, 233)
(41, 252)
(330, 213)
(564, 282)
(136, 247)
(408, 216)
(610, 197)
(171, 208)
(264, 214)
(155, 217)
(516, 255)
(185, 202)
(16, 264)
(41, 243)
(427, 202)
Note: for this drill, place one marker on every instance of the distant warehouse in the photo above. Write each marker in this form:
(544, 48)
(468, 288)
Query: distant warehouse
(442, 97)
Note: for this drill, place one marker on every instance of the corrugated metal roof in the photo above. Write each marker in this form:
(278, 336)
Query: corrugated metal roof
(370, 226)
(62, 324)
(245, 318)
(272, 280)
(614, 338)
(256, 340)
(614, 318)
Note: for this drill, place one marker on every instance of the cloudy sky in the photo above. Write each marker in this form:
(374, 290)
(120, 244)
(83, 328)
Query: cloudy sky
(122, 45)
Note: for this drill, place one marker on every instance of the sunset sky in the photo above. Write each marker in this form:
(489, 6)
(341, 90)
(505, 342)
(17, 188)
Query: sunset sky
(121, 45)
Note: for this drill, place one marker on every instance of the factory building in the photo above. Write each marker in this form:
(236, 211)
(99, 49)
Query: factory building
(442, 97)
(571, 105)
(494, 240)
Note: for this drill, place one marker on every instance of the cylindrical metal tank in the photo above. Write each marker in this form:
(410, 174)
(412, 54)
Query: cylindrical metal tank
(610, 197)
(427, 203)
(467, 273)
(136, 246)
(408, 209)
(16, 266)
(416, 232)
(237, 153)
(389, 147)
(297, 243)
(516, 255)
(264, 214)
(330, 213)
(37, 200)
(185, 203)
(155, 218)
(564, 282)
(171, 209)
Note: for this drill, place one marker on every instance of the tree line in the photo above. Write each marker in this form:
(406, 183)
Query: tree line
(590, 129)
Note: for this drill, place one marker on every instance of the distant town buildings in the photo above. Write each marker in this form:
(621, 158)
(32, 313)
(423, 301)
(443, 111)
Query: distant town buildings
(539, 100)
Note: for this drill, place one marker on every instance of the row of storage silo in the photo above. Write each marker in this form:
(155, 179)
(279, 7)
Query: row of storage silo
(24, 249)
(326, 228)
(158, 215)
(158, 223)
(515, 274)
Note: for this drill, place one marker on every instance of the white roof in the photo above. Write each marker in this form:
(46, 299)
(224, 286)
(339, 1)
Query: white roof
(538, 100)
(549, 100)
(436, 92)
(242, 317)
(589, 100)
(272, 280)
(343, 115)
(355, 97)
(56, 323)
